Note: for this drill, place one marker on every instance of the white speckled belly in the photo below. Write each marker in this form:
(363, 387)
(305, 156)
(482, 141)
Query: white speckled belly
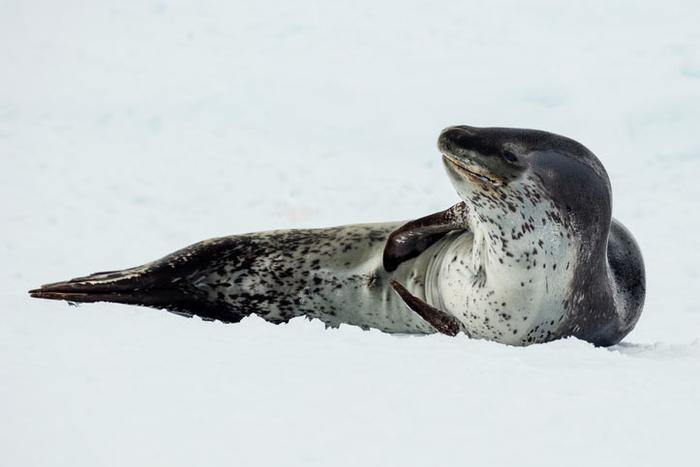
(508, 301)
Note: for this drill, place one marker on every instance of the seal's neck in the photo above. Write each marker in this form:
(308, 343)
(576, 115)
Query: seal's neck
(515, 231)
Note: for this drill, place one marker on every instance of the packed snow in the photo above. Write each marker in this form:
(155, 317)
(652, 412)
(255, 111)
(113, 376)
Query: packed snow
(130, 129)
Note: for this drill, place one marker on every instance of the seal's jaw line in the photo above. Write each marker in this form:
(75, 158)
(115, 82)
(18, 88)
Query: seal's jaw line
(472, 171)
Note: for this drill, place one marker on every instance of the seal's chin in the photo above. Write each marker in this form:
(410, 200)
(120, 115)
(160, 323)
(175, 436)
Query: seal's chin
(472, 171)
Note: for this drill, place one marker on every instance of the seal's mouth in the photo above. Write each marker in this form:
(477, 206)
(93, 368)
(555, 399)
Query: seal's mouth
(473, 171)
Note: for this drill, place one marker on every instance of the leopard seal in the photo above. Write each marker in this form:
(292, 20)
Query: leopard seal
(529, 255)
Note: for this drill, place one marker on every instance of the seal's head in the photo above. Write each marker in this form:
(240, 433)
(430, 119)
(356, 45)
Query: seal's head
(506, 169)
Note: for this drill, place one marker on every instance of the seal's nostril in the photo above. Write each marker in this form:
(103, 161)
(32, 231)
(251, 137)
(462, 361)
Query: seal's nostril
(445, 130)
(445, 144)
(465, 129)
(462, 139)
(456, 138)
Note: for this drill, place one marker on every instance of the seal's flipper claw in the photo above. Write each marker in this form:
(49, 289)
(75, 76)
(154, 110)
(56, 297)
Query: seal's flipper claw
(443, 322)
(413, 238)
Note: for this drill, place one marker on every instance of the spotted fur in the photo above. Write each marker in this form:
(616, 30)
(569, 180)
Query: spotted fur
(532, 254)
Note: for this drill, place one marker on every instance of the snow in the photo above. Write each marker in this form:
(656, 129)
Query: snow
(131, 129)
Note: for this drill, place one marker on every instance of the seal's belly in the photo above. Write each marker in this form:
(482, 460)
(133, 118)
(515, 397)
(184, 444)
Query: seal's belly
(507, 304)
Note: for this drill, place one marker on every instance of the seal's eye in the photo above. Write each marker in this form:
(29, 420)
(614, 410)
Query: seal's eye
(510, 157)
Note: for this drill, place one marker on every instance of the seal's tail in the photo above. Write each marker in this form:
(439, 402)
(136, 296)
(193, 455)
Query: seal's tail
(162, 284)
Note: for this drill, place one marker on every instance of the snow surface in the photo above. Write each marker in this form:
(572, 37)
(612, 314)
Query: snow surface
(130, 129)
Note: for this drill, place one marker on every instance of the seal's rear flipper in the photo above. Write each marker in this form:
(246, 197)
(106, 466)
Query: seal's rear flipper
(164, 284)
(443, 322)
(413, 238)
(129, 288)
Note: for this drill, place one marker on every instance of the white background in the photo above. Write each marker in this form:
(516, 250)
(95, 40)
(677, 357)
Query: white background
(130, 129)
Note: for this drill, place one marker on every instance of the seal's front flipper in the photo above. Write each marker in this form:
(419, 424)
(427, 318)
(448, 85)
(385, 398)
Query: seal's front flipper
(413, 238)
(443, 322)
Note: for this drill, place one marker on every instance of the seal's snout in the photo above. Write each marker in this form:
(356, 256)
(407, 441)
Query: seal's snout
(456, 138)
(463, 152)
(483, 155)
